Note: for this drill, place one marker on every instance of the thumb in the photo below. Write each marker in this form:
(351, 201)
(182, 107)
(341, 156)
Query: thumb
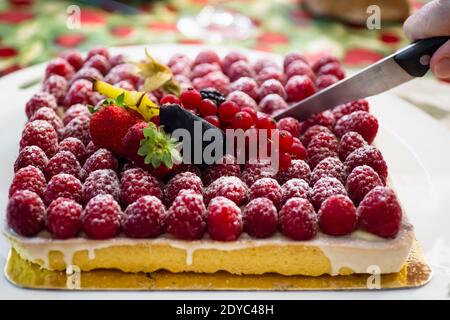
(440, 62)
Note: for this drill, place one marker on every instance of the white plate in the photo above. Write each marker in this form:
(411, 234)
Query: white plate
(415, 146)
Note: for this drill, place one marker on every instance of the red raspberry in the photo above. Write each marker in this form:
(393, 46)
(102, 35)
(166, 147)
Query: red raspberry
(298, 220)
(60, 67)
(98, 62)
(50, 116)
(224, 220)
(298, 169)
(325, 118)
(207, 108)
(81, 92)
(323, 61)
(98, 51)
(40, 133)
(322, 146)
(242, 120)
(184, 180)
(31, 156)
(117, 59)
(291, 125)
(298, 88)
(360, 121)
(227, 166)
(299, 68)
(350, 141)
(124, 71)
(144, 218)
(333, 68)
(370, 156)
(75, 146)
(325, 81)
(260, 218)
(231, 58)
(337, 216)
(380, 212)
(295, 188)
(184, 69)
(75, 111)
(272, 104)
(270, 73)
(328, 167)
(360, 181)
(102, 181)
(271, 86)
(207, 56)
(325, 188)
(74, 58)
(311, 132)
(248, 86)
(216, 80)
(63, 162)
(201, 70)
(40, 100)
(56, 86)
(255, 171)
(91, 149)
(186, 217)
(102, 217)
(64, 218)
(179, 57)
(344, 109)
(25, 213)
(137, 183)
(240, 69)
(63, 186)
(229, 187)
(291, 57)
(263, 63)
(28, 178)
(185, 167)
(87, 74)
(184, 82)
(267, 188)
(191, 99)
(78, 128)
(242, 99)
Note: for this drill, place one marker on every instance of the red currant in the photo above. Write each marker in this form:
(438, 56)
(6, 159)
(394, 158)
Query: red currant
(191, 98)
(214, 120)
(298, 151)
(266, 122)
(227, 110)
(285, 140)
(207, 108)
(251, 112)
(242, 120)
(169, 99)
(285, 160)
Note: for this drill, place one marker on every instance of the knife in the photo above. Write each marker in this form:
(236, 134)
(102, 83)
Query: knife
(406, 64)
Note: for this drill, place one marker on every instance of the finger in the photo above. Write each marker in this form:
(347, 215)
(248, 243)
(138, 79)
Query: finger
(440, 62)
(431, 20)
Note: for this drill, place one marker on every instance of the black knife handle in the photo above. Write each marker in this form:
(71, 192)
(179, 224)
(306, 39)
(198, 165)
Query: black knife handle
(415, 59)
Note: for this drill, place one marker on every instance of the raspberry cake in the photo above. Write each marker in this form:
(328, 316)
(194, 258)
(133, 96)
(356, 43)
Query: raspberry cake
(98, 183)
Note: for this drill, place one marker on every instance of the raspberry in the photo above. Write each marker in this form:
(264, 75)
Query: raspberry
(137, 183)
(227, 166)
(207, 56)
(360, 121)
(56, 86)
(370, 156)
(311, 132)
(117, 59)
(337, 216)
(31, 156)
(144, 218)
(80, 92)
(207, 108)
(272, 104)
(350, 141)
(323, 61)
(179, 57)
(380, 212)
(325, 81)
(74, 58)
(78, 128)
(216, 80)
(29, 178)
(325, 118)
(298, 220)
(299, 68)
(344, 109)
(102, 217)
(40, 100)
(98, 62)
(63, 186)
(25, 213)
(185, 180)
(322, 146)
(255, 171)
(270, 73)
(295, 188)
(63, 162)
(298, 169)
(333, 68)
(184, 82)
(98, 51)
(75, 146)
(298, 88)
(183, 68)
(271, 86)
(328, 167)
(75, 111)
(91, 149)
(185, 167)
(240, 69)
(242, 99)
(231, 58)
(263, 63)
(104, 181)
(325, 188)
(260, 218)
(292, 57)
(123, 72)
(60, 67)
(214, 95)
(224, 220)
(242, 120)
(360, 181)
(229, 187)
(201, 70)
(186, 217)
(50, 116)
(87, 74)
(246, 85)
(267, 188)
(40, 133)
(64, 218)
(191, 99)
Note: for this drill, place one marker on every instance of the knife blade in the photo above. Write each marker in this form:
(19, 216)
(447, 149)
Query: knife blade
(400, 67)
